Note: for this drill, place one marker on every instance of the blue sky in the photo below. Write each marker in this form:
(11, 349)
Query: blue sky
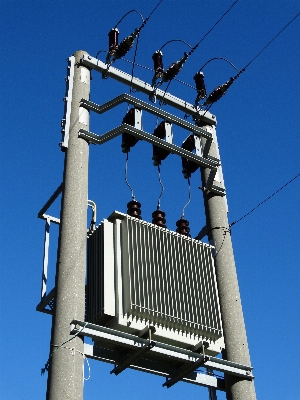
(258, 133)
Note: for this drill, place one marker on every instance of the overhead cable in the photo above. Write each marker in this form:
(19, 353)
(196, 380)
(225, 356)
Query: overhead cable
(268, 198)
(217, 93)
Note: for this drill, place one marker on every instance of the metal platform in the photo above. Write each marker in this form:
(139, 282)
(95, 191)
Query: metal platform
(129, 351)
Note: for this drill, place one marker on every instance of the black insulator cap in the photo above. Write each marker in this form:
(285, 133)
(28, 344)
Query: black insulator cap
(189, 143)
(158, 64)
(160, 131)
(200, 85)
(158, 218)
(127, 139)
(113, 37)
(188, 167)
(129, 117)
(159, 153)
(183, 227)
(134, 209)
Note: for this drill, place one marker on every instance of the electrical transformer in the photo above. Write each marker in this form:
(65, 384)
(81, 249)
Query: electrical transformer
(141, 275)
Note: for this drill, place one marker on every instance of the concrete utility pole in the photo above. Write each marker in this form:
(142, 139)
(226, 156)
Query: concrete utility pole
(65, 381)
(236, 345)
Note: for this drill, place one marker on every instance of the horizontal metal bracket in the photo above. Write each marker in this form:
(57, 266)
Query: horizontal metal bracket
(172, 148)
(144, 87)
(162, 355)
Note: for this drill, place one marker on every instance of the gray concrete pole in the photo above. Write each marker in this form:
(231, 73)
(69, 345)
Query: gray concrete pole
(236, 344)
(65, 381)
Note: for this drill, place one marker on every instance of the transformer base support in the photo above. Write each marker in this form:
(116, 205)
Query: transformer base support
(129, 351)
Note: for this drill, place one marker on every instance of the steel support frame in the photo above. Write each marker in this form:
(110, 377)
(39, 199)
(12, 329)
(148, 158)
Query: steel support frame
(202, 156)
(164, 353)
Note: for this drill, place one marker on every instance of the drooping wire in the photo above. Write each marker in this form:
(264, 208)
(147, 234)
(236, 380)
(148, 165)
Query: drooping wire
(162, 187)
(189, 197)
(175, 40)
(133, 64)
(264, 201)
(126, 180)
(219, 58)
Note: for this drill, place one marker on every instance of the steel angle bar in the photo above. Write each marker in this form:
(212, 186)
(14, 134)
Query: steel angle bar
(144, 87)
(126, 98)
(185, 371)
(230, 367)
(134, 357)
(93, 138)
(50, 201)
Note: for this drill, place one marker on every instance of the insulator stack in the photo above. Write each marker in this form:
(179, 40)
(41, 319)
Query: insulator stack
(158, 218)
(200, 85)
(134, 209)
(113, 39)
(188, 167)
(174, 68)
(159, 154)
(126, 45)
(219, 92)
(183, 227)
(158, 63)
(129, 140)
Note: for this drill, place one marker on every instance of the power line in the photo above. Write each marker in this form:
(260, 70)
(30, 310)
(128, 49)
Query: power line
(253, 209)
(217, 93)
(195, 47)
(271, 40)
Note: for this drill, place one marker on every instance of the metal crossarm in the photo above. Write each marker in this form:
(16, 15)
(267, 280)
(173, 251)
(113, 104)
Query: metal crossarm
(100, 139)
(144, 87)
(134, 357)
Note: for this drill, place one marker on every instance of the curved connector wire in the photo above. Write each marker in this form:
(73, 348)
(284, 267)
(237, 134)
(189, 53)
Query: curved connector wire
(189, 198)
(175, 40)
(93, 206)
(126, 180)
(125, 15)
(219, 58)
(162, 187)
